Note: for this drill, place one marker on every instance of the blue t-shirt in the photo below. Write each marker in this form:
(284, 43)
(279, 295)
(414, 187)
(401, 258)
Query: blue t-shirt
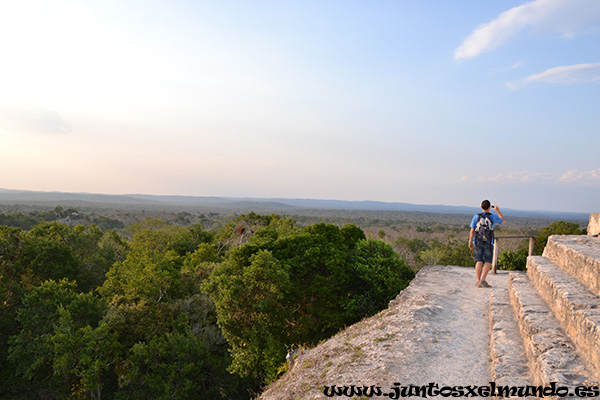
(493, 217)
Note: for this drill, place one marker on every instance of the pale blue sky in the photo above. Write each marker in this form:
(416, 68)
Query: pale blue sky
(436, 102)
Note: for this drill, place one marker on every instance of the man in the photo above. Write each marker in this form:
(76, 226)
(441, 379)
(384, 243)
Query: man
(482, 240)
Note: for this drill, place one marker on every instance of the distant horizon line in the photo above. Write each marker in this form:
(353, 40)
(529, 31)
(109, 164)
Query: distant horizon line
(324, 203)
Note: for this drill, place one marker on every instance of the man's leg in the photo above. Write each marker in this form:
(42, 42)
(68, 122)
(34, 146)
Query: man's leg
(478, 270)
(485, 270)
(488, 257)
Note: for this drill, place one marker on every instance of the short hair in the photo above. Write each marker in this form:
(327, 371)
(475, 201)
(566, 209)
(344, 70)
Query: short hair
(485, 204)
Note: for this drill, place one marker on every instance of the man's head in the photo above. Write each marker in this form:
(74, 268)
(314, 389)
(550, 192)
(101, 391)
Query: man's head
(485, 205)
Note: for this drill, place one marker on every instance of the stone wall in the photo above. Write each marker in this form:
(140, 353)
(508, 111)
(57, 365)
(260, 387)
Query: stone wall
(594, 224)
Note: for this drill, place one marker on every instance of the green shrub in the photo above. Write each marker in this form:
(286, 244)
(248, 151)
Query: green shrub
(513, 260)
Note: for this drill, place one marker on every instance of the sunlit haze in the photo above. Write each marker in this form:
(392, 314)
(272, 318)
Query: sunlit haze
(427, 102)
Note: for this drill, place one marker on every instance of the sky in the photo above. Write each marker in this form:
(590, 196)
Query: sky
(426, 102)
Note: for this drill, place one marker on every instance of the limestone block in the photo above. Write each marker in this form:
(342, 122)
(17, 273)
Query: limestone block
(594, 224)
(579, 255)
(509, 362)
(577, 309)
(552, 354)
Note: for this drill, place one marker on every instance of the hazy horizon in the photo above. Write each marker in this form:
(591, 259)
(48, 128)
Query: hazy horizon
(415, 102)
(263, 202)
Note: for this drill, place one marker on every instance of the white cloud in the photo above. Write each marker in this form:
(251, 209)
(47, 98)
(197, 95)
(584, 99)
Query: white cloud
(574, 176)
(588, 178)
(566, 18)
(32, 120)
(564, 75)
(517, 177)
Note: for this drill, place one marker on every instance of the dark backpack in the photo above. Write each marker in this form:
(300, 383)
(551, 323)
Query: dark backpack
(484, 230)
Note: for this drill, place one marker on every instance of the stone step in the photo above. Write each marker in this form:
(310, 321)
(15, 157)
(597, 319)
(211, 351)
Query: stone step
(575, 307)
(579, 255)
(594, 224)
(551, 353)
(509, 362)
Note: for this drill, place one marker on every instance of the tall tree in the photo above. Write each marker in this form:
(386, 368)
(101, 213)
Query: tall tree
(32, 350)
(281, 290)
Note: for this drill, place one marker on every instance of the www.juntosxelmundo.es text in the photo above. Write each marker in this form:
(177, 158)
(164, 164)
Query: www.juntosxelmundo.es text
(433, 390)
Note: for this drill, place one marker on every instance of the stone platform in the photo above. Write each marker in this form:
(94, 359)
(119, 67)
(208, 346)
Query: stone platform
(530, 329)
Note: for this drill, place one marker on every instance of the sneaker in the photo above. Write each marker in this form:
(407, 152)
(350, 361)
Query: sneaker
(485, 284)
(478, 284)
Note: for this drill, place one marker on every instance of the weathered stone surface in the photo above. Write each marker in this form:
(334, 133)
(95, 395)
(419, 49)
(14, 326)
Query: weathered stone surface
(594, 224)
(552, 355)
(567, 297)
(579, 255)
(509, 361)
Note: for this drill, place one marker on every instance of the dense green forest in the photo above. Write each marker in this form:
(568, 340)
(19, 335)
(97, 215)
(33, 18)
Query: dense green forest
(170, 311)
(199, 306)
